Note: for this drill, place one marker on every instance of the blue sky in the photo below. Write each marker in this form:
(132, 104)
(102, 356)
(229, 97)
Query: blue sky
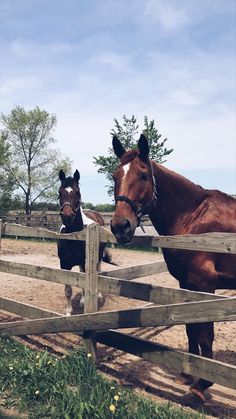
(90, 61)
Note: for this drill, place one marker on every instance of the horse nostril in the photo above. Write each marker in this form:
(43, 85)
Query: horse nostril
(126, 226)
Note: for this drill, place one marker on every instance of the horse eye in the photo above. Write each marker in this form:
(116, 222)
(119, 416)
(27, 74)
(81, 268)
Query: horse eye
(144, 176)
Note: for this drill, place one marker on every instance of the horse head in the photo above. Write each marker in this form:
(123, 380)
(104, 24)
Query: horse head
(134, 188)
(69, 197)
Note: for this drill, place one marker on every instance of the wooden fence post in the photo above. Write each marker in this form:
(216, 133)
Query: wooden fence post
(91, 285)
(0, 236)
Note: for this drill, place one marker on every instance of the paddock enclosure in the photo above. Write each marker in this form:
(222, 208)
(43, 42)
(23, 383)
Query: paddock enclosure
(166, 306)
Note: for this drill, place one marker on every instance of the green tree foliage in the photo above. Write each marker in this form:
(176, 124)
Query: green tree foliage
(6, 182)
(31, 164)
(127, 133)
(98, 207)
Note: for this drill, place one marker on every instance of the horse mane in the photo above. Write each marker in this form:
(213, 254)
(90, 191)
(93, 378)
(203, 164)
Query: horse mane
(179, 180)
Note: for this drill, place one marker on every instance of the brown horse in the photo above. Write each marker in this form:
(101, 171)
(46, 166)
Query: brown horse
(72, 252)
(175, 206)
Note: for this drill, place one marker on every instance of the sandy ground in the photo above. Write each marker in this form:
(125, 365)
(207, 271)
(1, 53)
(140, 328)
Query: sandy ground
(154, 381)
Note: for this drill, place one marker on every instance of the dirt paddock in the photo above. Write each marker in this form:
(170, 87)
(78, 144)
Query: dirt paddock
(154, 381)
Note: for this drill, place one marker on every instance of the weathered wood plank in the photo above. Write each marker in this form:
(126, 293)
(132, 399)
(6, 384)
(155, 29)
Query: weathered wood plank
(92, 253)
(91, 284)
(1, 224)
(152, 293)
(116, 286)
(137, 271)
(209, 369)
(209, 242)
(25, 310)
(60, 276)
(38, 232)
(196, 312)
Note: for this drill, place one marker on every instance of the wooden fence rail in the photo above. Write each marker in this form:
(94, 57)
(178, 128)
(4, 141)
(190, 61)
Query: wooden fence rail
(109, 285)
(215, 371)
(172, 314)
(177, 306)
(209, 242)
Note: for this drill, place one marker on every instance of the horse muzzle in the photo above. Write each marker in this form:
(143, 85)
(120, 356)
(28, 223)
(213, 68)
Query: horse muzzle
(123, 231)
(67, 220)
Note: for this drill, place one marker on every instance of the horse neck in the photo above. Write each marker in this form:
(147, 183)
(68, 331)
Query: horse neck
(175, 195)
(77, 224)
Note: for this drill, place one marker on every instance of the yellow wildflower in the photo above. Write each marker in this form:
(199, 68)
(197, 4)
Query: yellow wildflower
(10, 368)
(112, 408)
(36, 392)
(89, 355)
(116, 397)
(112, 388)
(37, 357)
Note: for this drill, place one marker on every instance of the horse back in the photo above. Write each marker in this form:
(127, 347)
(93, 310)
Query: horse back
(216, 213)
(94, 216)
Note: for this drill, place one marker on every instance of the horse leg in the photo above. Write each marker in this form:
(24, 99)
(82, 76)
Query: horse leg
(193, 348)
(205, 340)
(68, 290)
(81, 303)
(202, 278)
(68, 294)
(100, 296)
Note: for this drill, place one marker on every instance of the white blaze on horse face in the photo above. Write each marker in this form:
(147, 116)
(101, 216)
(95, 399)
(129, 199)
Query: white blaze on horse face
(69, 189)
(126, 168)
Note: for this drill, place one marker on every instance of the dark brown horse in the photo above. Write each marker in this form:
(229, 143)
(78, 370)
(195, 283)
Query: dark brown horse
(72, 252)
(175, 206)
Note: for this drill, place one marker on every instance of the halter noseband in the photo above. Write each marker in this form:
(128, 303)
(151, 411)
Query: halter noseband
(69, 204)
(143, 210)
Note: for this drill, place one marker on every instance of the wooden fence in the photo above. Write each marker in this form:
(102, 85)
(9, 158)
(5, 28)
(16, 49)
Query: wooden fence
(47, 219)
(170, 306)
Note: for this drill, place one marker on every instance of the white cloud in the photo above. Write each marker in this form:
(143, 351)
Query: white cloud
(112, 60)
(145, 59)
(166, 13)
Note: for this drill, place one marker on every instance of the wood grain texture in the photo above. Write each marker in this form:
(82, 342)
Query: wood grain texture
(209, 369)
(196, 312)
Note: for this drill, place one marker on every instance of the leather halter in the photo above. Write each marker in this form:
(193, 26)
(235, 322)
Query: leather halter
(143, 209)
(69, 204)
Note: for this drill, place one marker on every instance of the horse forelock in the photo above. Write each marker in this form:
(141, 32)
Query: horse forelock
(129, 156)
(68, 182)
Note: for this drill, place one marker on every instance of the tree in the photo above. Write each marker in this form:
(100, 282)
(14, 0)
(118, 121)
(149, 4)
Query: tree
(31, 163)
(6, 183)
(126, 134)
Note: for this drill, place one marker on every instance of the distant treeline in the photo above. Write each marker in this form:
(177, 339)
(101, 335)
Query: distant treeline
(47, 206)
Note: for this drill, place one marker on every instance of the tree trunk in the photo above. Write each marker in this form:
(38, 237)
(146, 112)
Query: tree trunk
(27, 203)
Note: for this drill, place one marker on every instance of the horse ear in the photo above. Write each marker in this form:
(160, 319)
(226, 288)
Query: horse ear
(118, 147)
(77, 176)
(143, 147)
(62, 175)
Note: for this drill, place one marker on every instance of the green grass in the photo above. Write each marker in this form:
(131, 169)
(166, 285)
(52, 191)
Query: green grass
(67, 388)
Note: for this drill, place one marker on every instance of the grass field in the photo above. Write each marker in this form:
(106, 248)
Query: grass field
(38, 385)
